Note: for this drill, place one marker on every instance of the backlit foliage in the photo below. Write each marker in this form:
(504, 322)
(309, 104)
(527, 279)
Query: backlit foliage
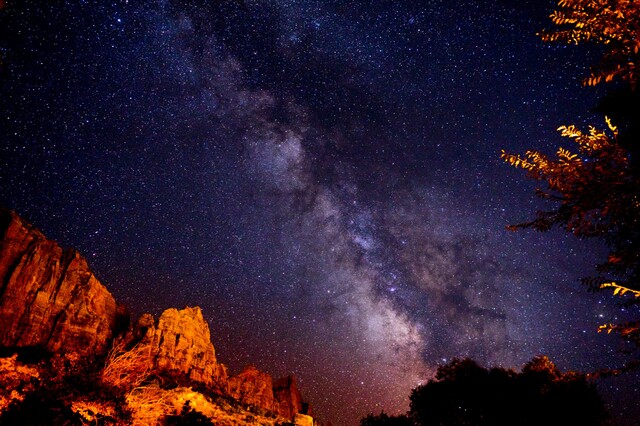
(591, 185)
(596, 194)
(614, 23)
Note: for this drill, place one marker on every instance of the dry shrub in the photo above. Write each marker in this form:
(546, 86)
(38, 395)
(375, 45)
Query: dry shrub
(126, 369)
(92, 412)
(149, 405)
(16, 381)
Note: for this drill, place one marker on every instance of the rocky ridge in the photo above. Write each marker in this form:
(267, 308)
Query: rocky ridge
(48, 296)
(50, 299)
(253, 387)
(179, 345)
(282, 397)
(288, 398)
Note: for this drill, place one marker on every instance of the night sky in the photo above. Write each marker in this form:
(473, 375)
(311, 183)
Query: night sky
(321, 177)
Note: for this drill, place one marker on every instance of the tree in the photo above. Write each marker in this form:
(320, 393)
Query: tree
(613, 23)
(384, 419)
(596, 195)
(596, 190)
(463, 393)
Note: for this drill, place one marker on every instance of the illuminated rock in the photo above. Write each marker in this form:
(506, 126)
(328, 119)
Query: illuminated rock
(50, 299)
(253, 387)
(180, 345)
(302, 420)
(256, 388)
(48, 296)
(287, 396)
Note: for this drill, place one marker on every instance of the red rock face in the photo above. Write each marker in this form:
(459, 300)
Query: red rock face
(288, 398)
(253, 387)
(257, 388)
(180, 344)
(48, 296)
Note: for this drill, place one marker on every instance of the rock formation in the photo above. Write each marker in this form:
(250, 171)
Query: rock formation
(50, 299)
(48, 296)
(302, 420)
(253, 387)
(288, 397)
(180, 345)
(256, 388)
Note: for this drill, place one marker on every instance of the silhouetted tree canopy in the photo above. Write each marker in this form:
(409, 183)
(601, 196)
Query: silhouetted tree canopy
(463, 393)
(384, 419)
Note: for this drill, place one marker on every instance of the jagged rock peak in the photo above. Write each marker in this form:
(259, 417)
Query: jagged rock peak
(180, 345)
(49, 297)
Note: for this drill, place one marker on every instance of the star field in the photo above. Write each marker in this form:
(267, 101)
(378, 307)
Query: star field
(321, 177)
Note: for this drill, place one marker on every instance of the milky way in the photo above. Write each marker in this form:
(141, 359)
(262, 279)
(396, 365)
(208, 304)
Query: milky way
(322, 178)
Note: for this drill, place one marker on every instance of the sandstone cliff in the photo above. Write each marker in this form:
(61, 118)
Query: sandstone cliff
(48, 296)
(256, 388)
(50, 299)
(288, 397)
(180, 344)
(253, 387)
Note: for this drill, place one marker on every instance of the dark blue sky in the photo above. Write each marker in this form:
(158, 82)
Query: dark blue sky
(322, 178)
